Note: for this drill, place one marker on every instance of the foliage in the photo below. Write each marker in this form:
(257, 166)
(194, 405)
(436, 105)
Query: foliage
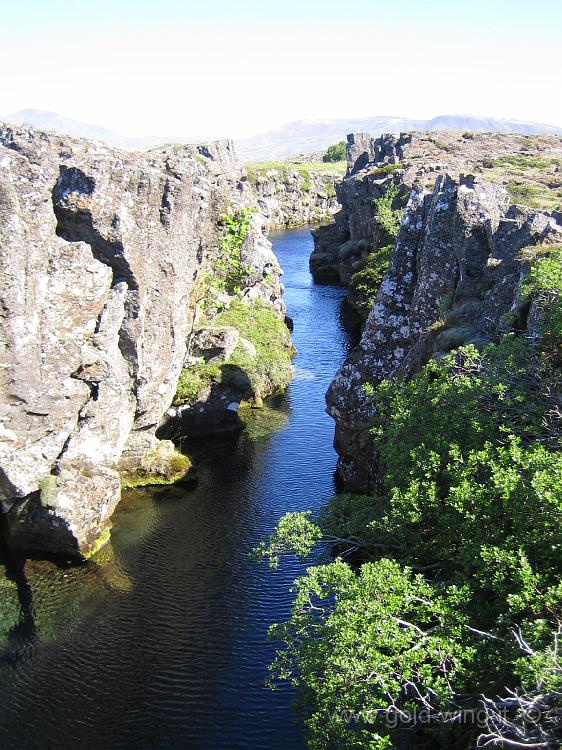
(337, 152)
(387, 217)
(386, 169)
(229, 270)
(366, 282)
(266, 373)
(193, 380)
(295, 532)
(458, 592)
(543, 284)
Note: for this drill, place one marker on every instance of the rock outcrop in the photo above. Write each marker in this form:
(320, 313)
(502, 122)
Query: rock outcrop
(530, 167)
(101, 251)
(295, 196)
(453, 278)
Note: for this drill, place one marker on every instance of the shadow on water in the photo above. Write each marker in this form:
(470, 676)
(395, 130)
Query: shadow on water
(162, 643)
(24, 632)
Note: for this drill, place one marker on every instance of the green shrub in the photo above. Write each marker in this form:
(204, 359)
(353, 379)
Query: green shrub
(387, 217)
(337, 152)
(458, 589)
(366, 282)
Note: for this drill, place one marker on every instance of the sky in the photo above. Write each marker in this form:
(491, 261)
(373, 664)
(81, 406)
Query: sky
(227, 68)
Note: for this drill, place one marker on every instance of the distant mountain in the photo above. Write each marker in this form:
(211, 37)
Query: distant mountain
(317, 135)
(51, 121)
(301, 136)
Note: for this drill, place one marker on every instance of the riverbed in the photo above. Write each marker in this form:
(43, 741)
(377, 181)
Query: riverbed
(162, 642)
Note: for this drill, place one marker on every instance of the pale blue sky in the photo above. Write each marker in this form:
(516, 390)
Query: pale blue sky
(237, 68)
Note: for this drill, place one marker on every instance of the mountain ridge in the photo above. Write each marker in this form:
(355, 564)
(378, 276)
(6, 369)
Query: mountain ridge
(297, 136)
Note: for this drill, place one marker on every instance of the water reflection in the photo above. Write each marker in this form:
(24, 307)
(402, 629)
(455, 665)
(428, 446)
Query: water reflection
(162, 642)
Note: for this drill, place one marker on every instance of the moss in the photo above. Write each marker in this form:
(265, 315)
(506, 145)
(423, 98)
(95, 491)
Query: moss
(100, 542)
(48, 490)
(267, 373)
(161, 465)
(271, 369)
(385, 170)
(194, 380)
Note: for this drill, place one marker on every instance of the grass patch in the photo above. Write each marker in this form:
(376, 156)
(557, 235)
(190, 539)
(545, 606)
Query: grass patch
(271, 369)
(259, 170)
(193, 381)
(267, 373)
(385, 169)
(523, 162)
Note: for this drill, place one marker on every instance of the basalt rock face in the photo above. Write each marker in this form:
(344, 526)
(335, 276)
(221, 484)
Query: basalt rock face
(289, 197)
(529, 166)
(453, 279)
(101, 251)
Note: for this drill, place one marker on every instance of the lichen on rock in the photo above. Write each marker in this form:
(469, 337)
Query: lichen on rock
(102, 256)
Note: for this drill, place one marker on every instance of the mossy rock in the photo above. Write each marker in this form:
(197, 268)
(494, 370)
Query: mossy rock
(163, 464)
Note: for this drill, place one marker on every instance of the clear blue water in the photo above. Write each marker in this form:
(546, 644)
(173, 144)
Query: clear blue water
(163, 643)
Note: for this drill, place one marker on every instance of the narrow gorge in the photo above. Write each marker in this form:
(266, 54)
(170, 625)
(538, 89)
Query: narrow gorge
(180, 335)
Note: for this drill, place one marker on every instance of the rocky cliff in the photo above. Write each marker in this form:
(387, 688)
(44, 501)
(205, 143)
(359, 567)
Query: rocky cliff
(529, 167)
(102, 252)
(293, 195)
(452, 279)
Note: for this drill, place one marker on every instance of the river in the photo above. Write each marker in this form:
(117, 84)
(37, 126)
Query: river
(162, 643)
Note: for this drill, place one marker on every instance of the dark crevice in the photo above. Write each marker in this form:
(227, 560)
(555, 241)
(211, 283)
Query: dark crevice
(71, 203)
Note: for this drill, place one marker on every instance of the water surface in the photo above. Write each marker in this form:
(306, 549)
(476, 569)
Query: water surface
(163, 642)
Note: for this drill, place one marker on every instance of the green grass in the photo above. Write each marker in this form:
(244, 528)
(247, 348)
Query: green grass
(193, 380)
(524, 162)
(260, 169)
(271, 369)
(267, 373)
(385, 170)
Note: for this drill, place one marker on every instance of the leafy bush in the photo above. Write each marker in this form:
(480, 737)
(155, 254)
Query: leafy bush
(387, 217)
(337, 152)
(365, 283)
(229, 267)
(458, 591)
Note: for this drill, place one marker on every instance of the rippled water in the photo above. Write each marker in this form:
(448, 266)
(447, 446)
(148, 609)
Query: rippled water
(162, 642)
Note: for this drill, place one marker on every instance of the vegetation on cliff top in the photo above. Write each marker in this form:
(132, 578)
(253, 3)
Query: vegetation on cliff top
(260, 170)
(336, 153)
(454, 597)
